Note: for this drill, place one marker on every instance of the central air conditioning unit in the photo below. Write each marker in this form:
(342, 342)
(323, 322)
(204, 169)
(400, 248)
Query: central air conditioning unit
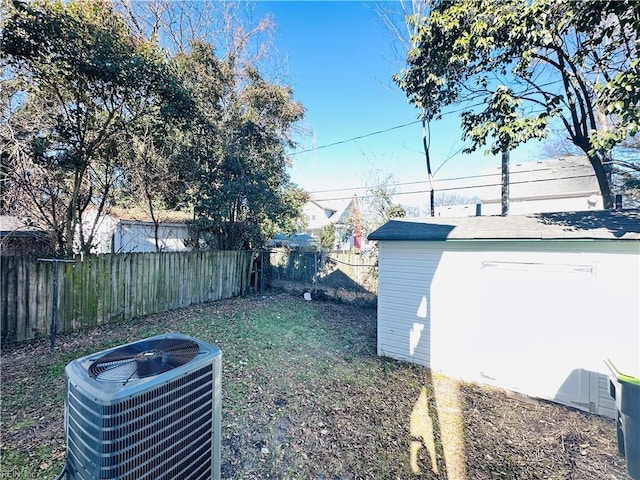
(147, 410)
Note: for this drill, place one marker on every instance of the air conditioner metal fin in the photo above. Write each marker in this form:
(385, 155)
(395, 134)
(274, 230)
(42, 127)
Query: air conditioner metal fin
(149, 410)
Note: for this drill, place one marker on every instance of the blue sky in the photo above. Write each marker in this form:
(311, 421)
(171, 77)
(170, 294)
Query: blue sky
(340, 63)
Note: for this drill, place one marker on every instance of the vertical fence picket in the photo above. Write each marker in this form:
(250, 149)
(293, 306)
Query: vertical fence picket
(134, 278)
(85, 309)
(33, 272)
(169, 281)
(141, 281)
(122, 284)
(153, 283)
(101, 290)
(175, 280)
(91, 311)
(115, 305)
(64, 270)
(44, 307)
(78, 293)
(206, 279)
(22, 296)
(64, 303)
(155, 260)
(147, 283)
(198, 295)
(7, 314)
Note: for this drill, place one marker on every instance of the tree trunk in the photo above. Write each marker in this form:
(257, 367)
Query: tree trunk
(425, 144)
(603, 177)
(505, 183)
(602, 171)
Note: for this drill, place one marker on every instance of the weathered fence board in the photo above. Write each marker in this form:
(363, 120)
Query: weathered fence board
(347, 271)
(100, 289)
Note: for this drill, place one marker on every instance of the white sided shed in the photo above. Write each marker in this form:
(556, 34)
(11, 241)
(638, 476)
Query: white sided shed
(533, 304)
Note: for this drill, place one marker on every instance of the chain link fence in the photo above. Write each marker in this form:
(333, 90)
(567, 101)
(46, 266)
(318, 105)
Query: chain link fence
(344, 276)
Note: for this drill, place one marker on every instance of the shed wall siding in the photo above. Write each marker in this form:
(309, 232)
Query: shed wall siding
(606, 404)
(465, 307)
(405, 274)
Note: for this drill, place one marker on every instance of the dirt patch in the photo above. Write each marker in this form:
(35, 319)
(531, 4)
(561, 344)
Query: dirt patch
(306, 397)
(322, 292)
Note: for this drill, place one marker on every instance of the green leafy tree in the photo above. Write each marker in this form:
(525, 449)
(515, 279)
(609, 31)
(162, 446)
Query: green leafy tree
(290, 219)
(327, 237)
(515, 64)
(626, 164)
(81, 82)
(231, 161)
(251, 181)
(151, 184)
(234, 158)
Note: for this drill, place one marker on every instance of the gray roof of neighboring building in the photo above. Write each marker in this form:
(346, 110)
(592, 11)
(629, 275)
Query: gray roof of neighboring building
(591, 225)
(563, 177)
(16, 227)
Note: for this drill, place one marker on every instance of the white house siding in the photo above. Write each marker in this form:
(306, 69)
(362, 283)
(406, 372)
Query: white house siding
(587, 201)
(131, 236)
(565, 184)
(405, 272)
(531, 316)
(114, 235)
(317, 216)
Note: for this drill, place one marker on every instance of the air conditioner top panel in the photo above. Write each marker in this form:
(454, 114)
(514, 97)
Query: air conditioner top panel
(138, 366)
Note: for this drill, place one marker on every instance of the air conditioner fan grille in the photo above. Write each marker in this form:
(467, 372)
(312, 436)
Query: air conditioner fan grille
(143, 359)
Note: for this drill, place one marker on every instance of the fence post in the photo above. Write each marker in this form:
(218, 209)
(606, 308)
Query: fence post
(261, 280)
(54, 299)
(315, 272)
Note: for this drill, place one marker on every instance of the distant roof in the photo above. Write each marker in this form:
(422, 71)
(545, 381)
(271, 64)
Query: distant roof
(592, 224)
(18, 227)
(295, 240)
(141, 215)
(341, 209)
(562, 177)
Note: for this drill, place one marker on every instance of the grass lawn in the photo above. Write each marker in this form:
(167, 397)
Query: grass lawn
(306, 397)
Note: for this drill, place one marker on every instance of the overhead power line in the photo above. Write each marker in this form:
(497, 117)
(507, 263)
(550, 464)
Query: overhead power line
(354, 138)
(450, 179)
(440, 116)
(466, 187)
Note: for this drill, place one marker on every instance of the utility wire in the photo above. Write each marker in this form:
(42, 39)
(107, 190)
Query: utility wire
(438, 117)
(466, 187)
(354, 138)
(450, 179)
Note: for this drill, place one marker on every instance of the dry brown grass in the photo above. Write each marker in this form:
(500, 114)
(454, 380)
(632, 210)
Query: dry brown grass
(306, 397)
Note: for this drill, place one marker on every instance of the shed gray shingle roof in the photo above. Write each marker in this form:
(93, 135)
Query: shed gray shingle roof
(601, 224)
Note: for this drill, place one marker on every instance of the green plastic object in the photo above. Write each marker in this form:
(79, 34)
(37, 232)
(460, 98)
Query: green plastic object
(621, 377)
(625, 389)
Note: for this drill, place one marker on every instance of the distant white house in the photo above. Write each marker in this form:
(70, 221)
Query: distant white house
(563, 184)
(19, 236)
(118, 235)
(321, 213)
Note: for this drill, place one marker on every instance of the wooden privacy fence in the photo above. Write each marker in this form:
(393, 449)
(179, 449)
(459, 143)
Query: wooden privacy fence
(99, 289)
(347, 271)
